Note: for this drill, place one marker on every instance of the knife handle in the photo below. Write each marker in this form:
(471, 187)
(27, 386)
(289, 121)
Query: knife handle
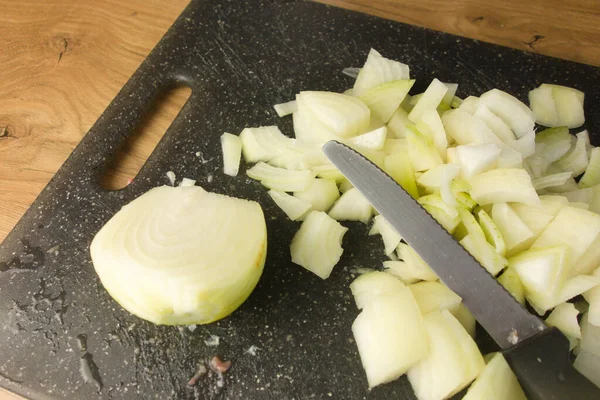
(544, 370)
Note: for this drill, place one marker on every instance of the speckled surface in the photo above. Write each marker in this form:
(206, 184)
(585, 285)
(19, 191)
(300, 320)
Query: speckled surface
(239, 60)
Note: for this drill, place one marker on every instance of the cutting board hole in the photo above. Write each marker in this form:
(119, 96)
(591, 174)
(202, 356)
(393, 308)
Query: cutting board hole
(141, 143)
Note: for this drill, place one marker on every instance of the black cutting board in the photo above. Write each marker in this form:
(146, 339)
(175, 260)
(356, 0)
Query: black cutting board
(239, 58)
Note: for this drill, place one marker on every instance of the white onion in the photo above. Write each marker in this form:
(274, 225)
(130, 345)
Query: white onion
(292, 206)
(352, 206)
(320, 194)
(384, 100)
(264, 143)
(317, 246)
(284, 109)
(231, 146)
(564, 317)
(497, 381)
(378, 70)
(430, 100)
(390, 237)
(166, 257)
(431, 296)
(503, 185)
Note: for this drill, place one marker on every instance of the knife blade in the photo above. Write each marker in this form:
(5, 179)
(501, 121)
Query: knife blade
(537, 354)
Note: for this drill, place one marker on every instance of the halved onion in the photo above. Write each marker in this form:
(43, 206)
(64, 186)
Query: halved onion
(165, 256)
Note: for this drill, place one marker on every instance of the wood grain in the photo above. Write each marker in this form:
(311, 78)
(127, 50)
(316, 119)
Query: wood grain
(63, 61)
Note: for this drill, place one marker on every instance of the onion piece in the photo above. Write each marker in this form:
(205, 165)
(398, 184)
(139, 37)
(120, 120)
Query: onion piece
(283, 109)
(509, 158)
(592, 296)
(582, 196)
(164, 257)
(373, 140)
(495, 123)
(409, 272)
(187, 182)
(321, 194)
(390, 237)
(553, 143)
(264, 143)
(464, 128)
(573, 287)
(497, 381)
(324, 116)
(589, 366)
(231, 146)
(453, 360)
(448, 98)
(436, 200)
(491, 231)
(373, 284)
(551, 180)
(398, 125)
(423, 155)
(590, 337)
(573, 227)
(390, 336)
(432, 296)
(543, 106)
(469, 105)
(430, 100)
(576, 159)
(476, 158)
(536, 218)
(564, 317)
(414, 263)
(511, 282)
(399, 167)
(378, 70)
(448, 221)
(591, 177)
(317, 246)
(484, 253)
(466, 319)
(503, 185)
(516, 234)
(281, 179)
(383, 100)
(516, 114)
(431, 123)
(352, 206)
(292, 206)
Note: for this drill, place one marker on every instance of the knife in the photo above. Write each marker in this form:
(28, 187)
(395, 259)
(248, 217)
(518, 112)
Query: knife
(538, 355)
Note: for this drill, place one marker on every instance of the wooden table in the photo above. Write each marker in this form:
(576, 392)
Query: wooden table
(62, 62)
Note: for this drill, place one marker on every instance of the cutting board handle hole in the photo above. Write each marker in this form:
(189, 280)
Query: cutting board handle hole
(133, 153)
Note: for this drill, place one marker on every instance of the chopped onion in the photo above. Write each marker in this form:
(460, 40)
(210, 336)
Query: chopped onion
(292, 206)
(264, 143)
(323, 116)
(390, 237)
(492, 233)
(589, 366)
(564, 317)
(516, 114)
(511, 282)
(373, 140)
(166, 257)
(373, 284)
(281, 179)
(423, 155)
(390, 336)
(476, 158)
(509, 158)
(576, 159)
(551, 180)
(536, 218)
(187, 182)
(484, 253)
(352, 206)
(591, 177)
(317, 246)
(469, 105)
(432, 296)
(398, 124)
(466, 319)
(321, 194)
(378, 70)
(231, 146)
(503, 185)
(453, 360)
(590, 337)
(495, 123)
(464, 128)
(384, 100)
(582, 196)
(592, 296)
(430, 100)
(436, 200)
(399, 167)
(284, 109)
(414, 264)
(516, 234)
(409, 272)
(573, 287)
(449, 96)
(431, 123)
(573, 227)
(543, 107)
(497, 381)
(553, 143)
